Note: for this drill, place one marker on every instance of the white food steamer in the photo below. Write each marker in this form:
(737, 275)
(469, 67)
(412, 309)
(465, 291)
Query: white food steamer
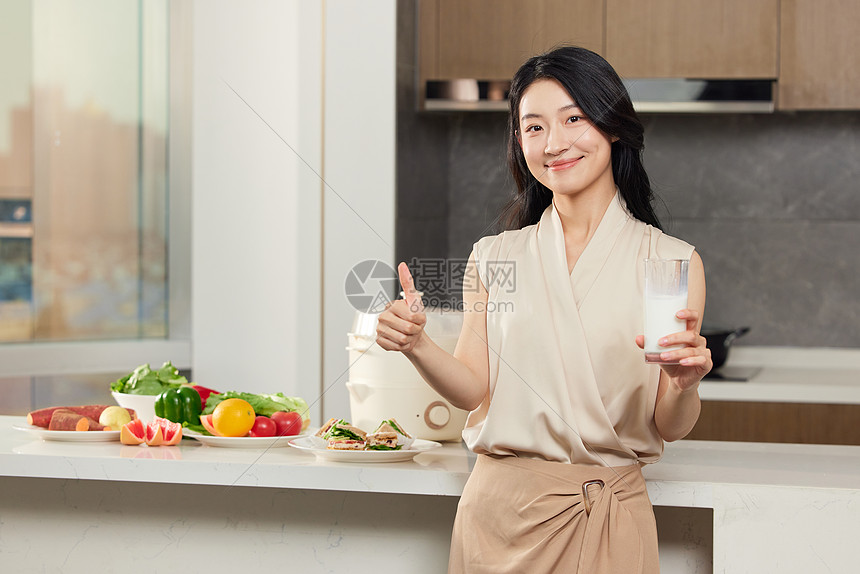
(384, 384)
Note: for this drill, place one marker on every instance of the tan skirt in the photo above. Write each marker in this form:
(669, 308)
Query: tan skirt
(521, 515)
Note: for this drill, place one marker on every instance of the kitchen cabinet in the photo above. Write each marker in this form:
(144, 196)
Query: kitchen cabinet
(791, 395)
(800, 423)
(692, 38)
(490, 39)
(808, 46)
(819, 43)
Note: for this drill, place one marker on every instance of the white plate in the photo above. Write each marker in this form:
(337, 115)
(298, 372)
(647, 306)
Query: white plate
(312, 444)
(241, 441)
(69, 436)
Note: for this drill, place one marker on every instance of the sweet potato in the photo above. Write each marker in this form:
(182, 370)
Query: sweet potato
(66, 420)
(42, 417)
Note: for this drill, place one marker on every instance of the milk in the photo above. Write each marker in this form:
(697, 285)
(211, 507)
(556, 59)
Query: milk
(660, 321)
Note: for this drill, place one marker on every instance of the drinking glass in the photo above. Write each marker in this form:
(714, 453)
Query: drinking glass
(665, 295)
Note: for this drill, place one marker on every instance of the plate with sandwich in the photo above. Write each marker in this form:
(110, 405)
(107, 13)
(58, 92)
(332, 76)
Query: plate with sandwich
(338, 440)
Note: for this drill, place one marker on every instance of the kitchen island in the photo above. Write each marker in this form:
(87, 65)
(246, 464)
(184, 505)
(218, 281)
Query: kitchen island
(66, 507)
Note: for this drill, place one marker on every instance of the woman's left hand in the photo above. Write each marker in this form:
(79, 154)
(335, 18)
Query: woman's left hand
(693, 361)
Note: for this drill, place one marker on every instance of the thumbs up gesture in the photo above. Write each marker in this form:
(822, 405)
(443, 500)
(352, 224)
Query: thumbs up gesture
(401, 325)
(410, 293)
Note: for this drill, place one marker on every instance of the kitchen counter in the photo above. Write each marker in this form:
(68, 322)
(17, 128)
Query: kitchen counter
(684, 477)
(789, 375)
(759, 505)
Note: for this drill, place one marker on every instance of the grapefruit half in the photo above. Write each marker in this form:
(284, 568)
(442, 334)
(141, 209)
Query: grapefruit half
(154, 436)
(171, 432)
(206, 421)
(133, 432)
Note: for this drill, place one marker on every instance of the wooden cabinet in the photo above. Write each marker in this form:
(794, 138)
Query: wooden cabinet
(819, 44)
(490, 39)
(778, 422)
(809, 46)
(692, 38)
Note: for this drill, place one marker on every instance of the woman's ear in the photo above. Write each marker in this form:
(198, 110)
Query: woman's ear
(614, 139)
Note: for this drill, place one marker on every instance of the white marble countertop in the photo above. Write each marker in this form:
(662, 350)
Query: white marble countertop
(685, 477)
(790, 375)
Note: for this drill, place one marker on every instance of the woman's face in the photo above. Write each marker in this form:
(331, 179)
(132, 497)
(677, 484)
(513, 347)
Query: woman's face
(563, 149)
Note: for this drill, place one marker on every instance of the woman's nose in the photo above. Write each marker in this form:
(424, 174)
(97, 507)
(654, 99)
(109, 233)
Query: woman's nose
(556, 142)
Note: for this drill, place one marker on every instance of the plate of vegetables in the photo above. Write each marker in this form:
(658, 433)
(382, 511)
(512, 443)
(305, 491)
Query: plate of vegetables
(246, 420)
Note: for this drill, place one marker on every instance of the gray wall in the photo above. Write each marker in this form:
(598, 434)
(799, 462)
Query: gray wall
(771, 202)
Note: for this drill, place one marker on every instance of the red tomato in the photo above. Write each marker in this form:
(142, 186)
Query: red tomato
(263, 426)
(288, 423)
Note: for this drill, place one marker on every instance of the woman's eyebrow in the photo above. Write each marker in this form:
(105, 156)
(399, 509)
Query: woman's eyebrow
(561, 109)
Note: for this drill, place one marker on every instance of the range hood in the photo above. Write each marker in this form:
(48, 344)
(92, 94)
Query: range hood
(649, 95)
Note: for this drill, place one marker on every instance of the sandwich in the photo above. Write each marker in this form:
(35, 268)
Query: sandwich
(326, 427)
(385, 436)
(343, 436)
(396, 426)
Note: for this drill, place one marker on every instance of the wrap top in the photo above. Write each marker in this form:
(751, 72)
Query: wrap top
(567, 381)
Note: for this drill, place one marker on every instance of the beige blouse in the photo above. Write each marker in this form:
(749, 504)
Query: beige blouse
(567, 381)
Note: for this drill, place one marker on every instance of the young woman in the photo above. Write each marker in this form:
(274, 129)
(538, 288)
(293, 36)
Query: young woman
(564, 409)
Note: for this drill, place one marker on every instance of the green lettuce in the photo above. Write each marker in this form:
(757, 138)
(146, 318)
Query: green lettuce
(197, 428)
(336, 432)
(263, 404)
(144, 381)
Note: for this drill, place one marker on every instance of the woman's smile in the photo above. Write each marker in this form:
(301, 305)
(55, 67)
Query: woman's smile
(563, 163)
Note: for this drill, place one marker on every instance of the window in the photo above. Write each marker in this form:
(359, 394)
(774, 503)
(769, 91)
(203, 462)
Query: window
(85, 194)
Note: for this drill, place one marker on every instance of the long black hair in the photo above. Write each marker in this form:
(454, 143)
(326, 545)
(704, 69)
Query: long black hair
(600, 94)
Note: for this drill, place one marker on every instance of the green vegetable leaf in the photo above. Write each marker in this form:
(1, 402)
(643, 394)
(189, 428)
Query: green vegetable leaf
(196, 428)
(144, 381)
(336, 432)
(383, 447)
(394, 426)
(118, 386)
(148, 386)
(168, 374)
(263, 404)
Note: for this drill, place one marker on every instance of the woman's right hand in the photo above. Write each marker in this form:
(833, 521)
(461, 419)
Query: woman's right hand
(401, 325)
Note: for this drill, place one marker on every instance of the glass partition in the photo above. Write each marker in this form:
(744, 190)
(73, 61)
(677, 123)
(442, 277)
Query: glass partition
(83, 170)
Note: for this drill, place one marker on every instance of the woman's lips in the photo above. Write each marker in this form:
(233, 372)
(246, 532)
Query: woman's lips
(561, 164)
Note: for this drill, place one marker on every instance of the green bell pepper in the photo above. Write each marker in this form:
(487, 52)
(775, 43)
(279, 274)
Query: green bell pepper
(179, 405)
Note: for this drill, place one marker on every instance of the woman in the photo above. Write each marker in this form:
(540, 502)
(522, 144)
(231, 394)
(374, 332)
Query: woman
(564, 409)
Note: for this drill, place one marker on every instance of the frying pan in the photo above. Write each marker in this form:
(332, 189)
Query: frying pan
(719, 340)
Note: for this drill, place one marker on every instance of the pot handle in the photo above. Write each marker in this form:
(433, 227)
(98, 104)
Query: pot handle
(734, 335)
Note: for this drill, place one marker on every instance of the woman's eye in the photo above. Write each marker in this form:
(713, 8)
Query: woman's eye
(533, 128)
(574, 119)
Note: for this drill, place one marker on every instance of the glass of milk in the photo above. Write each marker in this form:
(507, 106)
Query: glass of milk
(665, 295)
